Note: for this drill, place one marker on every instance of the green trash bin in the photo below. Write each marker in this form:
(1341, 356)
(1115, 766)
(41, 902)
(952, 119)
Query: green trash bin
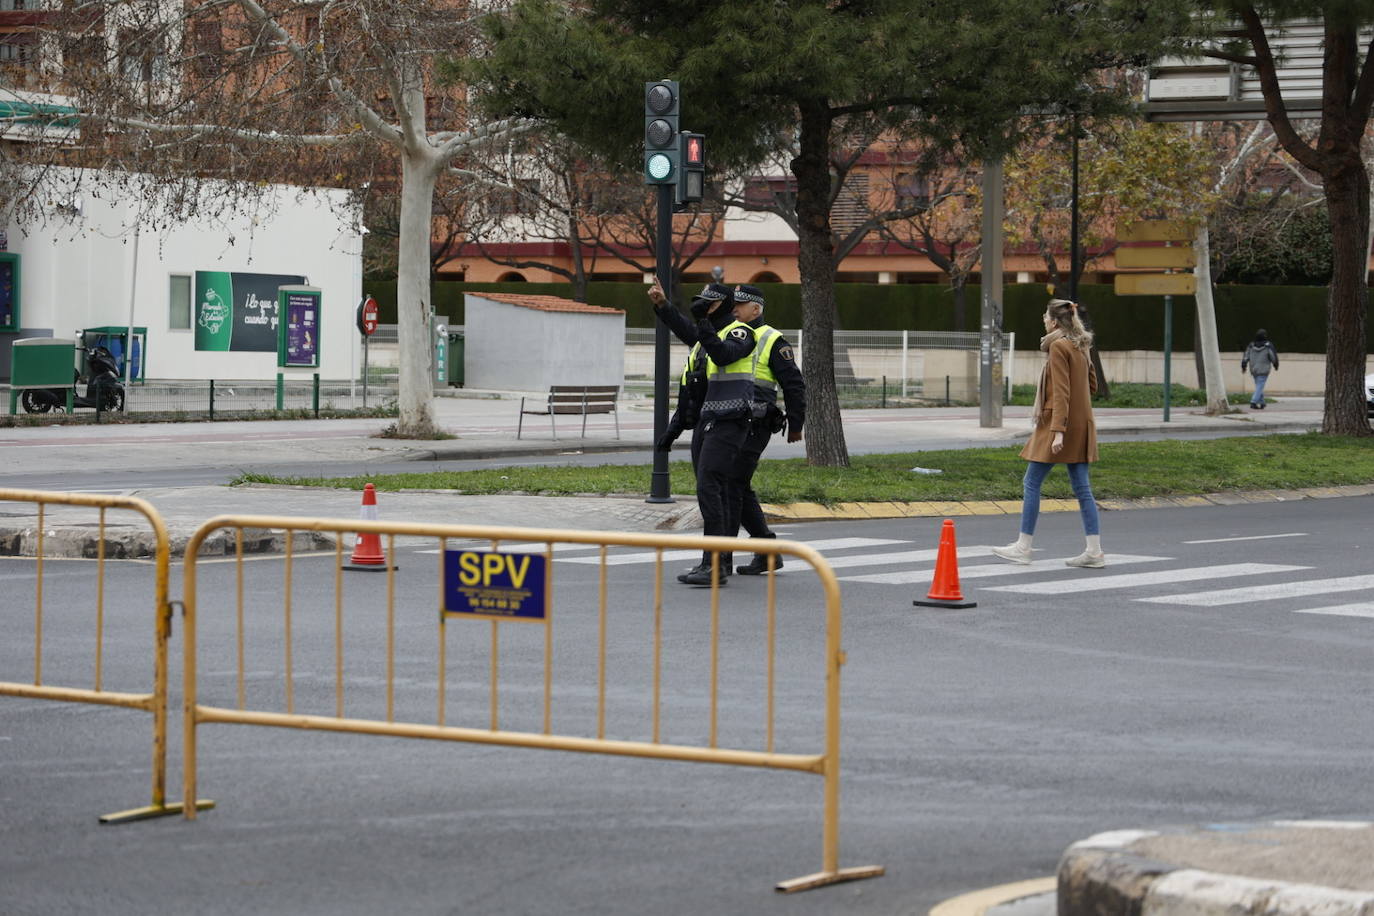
(455, 359)
(42, 362)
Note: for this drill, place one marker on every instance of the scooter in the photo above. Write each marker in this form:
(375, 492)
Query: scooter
(104, 390)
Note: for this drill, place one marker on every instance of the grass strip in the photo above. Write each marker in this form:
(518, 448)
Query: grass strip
(1126, 471)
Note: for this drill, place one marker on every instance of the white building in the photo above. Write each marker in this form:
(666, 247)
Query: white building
(206, 290)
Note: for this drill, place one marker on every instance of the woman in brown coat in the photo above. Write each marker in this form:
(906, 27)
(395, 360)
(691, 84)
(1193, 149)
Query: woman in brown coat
(1064, 432)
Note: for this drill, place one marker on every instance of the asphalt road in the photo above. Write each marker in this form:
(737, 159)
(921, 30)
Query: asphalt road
(977, 743)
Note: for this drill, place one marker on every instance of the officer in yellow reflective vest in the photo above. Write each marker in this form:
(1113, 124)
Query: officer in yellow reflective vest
(774, 365)
(723, 426)
(692, 382)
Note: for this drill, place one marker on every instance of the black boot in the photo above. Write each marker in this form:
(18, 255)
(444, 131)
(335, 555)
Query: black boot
(758, 566)
(701, 573)
(702, 576)
(695, 571)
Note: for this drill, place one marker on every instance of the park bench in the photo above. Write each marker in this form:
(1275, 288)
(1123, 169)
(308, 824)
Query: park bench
(571, 399)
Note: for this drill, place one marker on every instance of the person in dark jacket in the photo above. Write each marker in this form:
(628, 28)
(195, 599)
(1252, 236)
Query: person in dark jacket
(776, 368)
(723, 414)
(1261, 358)
(692, 381)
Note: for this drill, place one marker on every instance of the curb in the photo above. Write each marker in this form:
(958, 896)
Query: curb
(1103, 874)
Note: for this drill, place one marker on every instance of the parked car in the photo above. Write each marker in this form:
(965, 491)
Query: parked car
(1369, 393)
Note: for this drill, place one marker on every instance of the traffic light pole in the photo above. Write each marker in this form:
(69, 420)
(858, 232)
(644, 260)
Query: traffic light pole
(659, 491)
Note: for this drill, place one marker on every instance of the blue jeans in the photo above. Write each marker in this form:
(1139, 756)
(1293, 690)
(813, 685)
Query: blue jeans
(1258, 396)
(1036, 472)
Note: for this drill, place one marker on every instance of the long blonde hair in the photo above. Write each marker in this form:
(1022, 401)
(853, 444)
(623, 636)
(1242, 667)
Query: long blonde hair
(1065, 316)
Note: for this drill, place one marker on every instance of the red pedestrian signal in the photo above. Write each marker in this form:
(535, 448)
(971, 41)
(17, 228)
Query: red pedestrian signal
(692, 151)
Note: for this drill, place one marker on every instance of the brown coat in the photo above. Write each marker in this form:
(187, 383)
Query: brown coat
(1068, 382)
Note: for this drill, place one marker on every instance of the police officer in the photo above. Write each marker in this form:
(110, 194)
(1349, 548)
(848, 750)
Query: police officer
(717, 302)
(692, 382)
(723, 426)
(774, 365)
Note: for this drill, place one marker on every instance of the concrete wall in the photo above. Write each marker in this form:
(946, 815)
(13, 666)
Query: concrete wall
(77, 269)
(513, 348)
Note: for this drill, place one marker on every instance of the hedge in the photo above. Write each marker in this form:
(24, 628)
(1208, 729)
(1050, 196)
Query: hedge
(1295, 316)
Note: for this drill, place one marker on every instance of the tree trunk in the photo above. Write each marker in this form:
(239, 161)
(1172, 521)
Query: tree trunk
(1206, 343)
(1347, 301)
(416, 376)
(579, 277)
(825, 446)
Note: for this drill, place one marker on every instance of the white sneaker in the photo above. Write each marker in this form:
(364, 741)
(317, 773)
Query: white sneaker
(1086, 560)
(1013, 552)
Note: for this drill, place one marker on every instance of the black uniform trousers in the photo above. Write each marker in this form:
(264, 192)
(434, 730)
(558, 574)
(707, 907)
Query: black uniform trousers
(750, 512)
(718, 475)
(745, 504)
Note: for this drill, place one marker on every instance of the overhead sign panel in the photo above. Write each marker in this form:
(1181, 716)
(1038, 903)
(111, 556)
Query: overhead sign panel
(1212, 89)
(1155, 230)
(1178, 256)
(1155, 284)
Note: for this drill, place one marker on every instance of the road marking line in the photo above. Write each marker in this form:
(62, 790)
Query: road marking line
(1269, 592)
(1342, 610)
(622, 559)
(986, 570)
(976, 903)
(518, 547)
(902, 556)
(1252, 537)
(1095, 583)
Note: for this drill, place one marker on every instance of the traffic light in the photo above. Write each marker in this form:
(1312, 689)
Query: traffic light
(691, 187)
(661, 110)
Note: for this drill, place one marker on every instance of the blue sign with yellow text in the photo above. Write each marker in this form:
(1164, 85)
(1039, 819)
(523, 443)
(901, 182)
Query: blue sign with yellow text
(485, 583)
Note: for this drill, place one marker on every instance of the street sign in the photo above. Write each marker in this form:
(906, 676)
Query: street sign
(1156, 256)
(1155, 230)
(1155, 284)
(493, 585)
(367, 316)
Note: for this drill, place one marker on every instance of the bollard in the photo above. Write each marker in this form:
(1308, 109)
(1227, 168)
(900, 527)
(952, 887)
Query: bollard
(212, 400)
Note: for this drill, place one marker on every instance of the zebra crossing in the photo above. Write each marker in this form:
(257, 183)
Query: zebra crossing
(897, 562)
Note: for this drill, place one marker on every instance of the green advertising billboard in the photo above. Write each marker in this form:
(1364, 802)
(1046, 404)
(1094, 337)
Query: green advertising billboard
(238, 311)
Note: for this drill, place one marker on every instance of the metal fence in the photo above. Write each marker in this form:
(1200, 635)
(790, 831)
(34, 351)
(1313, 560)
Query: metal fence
(625, 678)
(74, 625)
(230, 399)
(872, 369)
(875, 368)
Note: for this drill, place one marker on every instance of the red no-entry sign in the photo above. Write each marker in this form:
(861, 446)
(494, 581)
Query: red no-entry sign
(367, 316)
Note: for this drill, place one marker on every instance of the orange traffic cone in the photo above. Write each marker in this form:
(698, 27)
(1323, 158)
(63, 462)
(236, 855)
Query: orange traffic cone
(367, 547)
(944, 590)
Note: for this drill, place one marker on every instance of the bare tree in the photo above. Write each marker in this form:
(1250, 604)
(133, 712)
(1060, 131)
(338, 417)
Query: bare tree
(947, 226)
(252, 91)
(545, 188)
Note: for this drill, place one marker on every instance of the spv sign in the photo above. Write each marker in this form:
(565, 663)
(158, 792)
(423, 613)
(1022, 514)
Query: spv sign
(507, 586)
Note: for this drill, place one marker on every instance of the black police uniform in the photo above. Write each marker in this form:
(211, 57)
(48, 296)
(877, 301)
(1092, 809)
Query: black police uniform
(692, 391)
(768, 419)
(724, 426)
(692, 383)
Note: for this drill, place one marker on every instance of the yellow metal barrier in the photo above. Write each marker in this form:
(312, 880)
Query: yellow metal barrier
(464, 582)
(154, 702)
